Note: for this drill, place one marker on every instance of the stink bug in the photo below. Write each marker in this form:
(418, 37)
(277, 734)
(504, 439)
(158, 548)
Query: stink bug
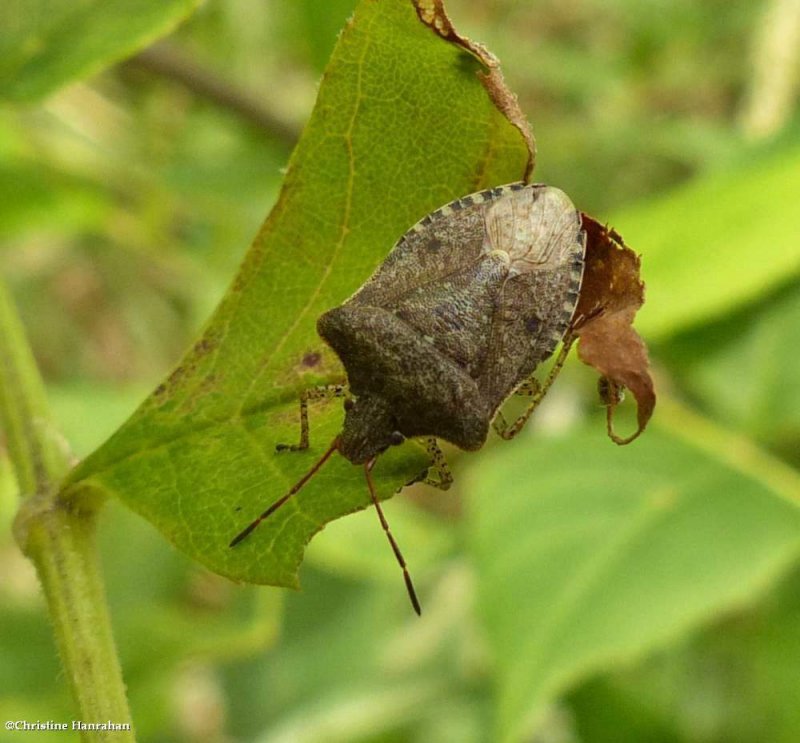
(456, 319)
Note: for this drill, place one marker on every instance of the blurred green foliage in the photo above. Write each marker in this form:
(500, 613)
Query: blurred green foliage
(127, 202)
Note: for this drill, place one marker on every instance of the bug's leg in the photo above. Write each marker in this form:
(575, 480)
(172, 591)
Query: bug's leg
(537, 391)
(529, 388)
(444, 478)
(322, 392)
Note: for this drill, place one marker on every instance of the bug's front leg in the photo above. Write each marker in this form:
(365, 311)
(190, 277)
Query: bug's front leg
(322, 392)
(444, 478)
(536, 391)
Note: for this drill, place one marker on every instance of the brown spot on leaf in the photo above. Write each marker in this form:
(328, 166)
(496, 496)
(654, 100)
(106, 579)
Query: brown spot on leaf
(175, 378)
(311, 359)
(204, 346)
(188, 367)
(433, 14)
(611, 294)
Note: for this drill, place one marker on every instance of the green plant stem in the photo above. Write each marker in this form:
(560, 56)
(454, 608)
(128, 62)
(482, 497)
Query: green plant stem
(38, 455)
(61, 543)
(58, 536)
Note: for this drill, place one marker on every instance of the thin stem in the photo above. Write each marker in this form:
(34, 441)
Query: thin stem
(36, 452)
(61, 544)
(58, 536)
(169, 62)
(773, 84)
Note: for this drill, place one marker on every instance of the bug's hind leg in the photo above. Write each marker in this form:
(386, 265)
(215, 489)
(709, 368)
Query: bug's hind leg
(322, 392)
(444, 477)
(531, 387)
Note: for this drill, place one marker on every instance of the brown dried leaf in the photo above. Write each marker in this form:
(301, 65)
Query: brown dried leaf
(611, 294)
(433, 14)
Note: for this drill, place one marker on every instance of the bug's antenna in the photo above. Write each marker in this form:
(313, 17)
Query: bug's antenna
(295, 489)
(412, 594)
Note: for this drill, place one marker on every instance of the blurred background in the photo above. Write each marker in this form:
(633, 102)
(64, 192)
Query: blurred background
(126, 204)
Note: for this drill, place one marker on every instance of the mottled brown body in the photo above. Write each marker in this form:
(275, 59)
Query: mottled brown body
(465, 307)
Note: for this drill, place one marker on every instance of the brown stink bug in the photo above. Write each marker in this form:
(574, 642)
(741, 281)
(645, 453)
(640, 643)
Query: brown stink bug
(456, 319)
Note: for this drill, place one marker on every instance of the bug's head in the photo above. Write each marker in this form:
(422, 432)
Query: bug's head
(369, 429)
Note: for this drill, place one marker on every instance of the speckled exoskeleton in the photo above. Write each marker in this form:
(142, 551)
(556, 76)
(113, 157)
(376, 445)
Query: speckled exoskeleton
(456, 319)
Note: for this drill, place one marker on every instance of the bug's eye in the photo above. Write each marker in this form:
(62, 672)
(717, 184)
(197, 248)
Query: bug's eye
(348, 403)
(396, 438)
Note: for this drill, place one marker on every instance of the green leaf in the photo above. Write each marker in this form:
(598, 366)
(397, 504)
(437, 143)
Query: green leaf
(740, 368)
(716, 243)
(402, 124)
(735, 682)
(590, 555)
(604, 713)
(47, 43)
